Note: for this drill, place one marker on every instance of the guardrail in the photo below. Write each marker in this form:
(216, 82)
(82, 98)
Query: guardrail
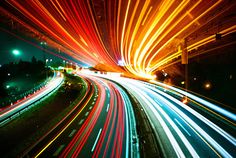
(18, 108)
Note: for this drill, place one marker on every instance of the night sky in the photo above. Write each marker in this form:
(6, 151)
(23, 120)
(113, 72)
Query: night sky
(27, 47)
(10, 42)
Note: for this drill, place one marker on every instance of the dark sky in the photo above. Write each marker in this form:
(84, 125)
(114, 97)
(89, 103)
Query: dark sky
(27, 47)
(10, 42)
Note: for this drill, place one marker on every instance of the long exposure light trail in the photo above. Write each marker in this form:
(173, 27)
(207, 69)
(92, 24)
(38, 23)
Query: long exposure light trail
(212, 106)
(144, 35)
(7, 113)
(199, 134)
(113, 52)
(102, 123)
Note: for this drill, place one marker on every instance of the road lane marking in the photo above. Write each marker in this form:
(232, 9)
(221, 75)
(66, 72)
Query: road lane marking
(72, 132)
(108, 107)
(81, 121)
(86, 114)
(182, 127)
(95, 143)
(90, 107)
(45, 147)
(59, 150)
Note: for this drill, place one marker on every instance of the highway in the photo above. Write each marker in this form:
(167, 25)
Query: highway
(102, 123)
(185, 42)
(195, 129)
(10, 112)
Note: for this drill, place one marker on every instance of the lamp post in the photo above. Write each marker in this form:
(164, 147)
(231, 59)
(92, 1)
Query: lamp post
(43, 44)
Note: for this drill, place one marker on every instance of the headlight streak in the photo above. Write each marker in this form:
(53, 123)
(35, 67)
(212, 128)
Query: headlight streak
(144, 99)
(146, 93)
(129, 119)
(53, 84)
(155, 107)
(115, 138)
(131, 129)
(204, 102)
(199, 116)
(195, 126)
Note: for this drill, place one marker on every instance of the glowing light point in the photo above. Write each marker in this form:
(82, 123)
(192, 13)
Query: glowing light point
(121, 63)
(16, 52)
(185, 100)
(207, 85)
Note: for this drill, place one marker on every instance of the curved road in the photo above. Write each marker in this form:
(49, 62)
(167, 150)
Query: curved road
(101, 124)
(195, 129)
(12, 111)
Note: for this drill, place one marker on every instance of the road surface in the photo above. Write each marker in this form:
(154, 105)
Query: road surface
(101, 124)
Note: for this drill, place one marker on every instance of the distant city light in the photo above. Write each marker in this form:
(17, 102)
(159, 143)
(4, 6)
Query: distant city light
(207, 85)
(121, 63)
(43, 43)
(185, 100)
(182, 82)
(16, 52)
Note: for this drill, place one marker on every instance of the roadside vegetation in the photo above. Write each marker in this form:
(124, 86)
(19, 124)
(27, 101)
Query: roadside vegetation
(20, 79)
(22, 132)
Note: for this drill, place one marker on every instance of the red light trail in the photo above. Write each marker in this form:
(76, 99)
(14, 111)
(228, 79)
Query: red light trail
(144, 35)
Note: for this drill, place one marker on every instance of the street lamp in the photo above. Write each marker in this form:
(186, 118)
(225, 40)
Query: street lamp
(15, 52)
(43, 44)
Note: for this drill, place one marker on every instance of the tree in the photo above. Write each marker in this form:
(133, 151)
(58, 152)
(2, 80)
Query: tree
(33, 60)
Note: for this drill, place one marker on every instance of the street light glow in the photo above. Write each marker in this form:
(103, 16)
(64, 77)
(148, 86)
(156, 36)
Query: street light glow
(16, 52)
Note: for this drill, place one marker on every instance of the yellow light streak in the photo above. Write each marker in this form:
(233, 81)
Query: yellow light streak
(195, 46)
(159, 31)
(197, 18)
(41, 151)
